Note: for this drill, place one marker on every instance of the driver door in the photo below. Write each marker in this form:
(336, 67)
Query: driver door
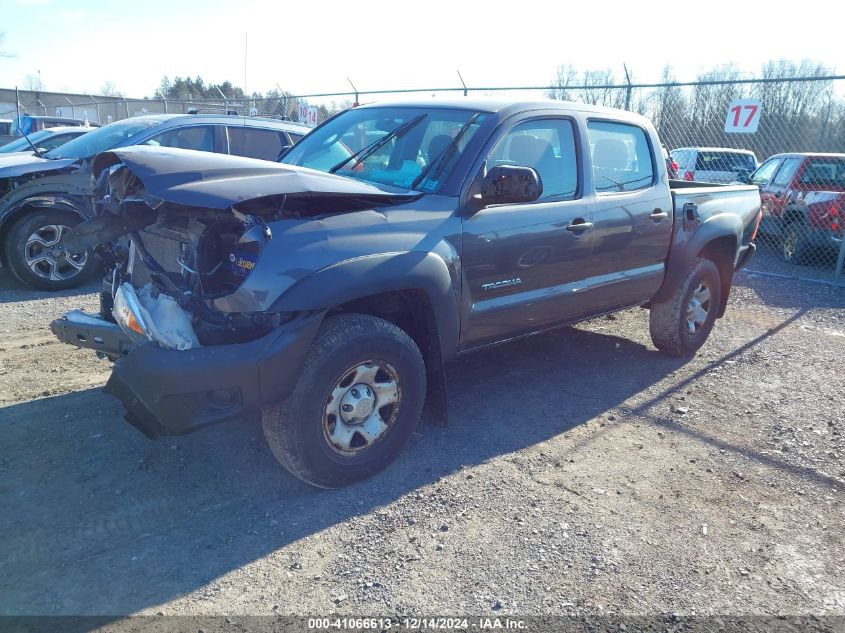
(516, 257)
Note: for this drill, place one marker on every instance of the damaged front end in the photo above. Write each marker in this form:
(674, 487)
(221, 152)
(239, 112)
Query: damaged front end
(182, 230)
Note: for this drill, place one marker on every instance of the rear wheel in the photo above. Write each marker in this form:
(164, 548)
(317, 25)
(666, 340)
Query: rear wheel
(36, 254)
(681, 325)
(356, 404)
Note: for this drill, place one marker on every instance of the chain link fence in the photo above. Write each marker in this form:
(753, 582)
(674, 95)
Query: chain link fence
(787, 137)
(771, 130)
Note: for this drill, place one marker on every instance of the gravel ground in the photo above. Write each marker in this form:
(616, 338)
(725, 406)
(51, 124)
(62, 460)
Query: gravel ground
(582, 472)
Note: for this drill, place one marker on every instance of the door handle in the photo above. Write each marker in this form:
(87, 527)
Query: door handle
(579, 226)
(658, 215)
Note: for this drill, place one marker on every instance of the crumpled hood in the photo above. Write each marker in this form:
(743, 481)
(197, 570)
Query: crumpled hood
(22, 163)
(220, 181)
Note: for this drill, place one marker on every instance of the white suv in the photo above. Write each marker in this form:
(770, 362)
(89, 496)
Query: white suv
(714, 164)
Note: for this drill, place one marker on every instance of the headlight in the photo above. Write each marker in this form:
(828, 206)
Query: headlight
(129, 314)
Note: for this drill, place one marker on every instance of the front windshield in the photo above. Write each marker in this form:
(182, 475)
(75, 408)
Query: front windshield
(402, 160)
(21, 144)
(101, 139)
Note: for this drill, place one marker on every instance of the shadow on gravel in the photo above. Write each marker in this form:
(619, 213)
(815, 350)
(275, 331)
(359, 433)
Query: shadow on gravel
(643, 411)
(12, 290)
(99, 520)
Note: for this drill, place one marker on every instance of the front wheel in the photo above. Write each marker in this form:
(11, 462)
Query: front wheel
(36, 254)
(356, 404)
(796, 243)
(681, 325)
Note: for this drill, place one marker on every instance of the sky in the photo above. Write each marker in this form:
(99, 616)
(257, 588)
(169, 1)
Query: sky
(308, 47)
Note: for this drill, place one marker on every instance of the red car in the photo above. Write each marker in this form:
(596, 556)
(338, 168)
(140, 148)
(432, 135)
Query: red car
(803, 197)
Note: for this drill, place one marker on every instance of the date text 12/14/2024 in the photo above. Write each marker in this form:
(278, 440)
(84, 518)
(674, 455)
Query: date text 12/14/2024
(417, 624)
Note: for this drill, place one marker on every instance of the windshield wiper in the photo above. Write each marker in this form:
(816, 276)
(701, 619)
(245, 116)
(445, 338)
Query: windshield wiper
(365, 152)
(442, 159)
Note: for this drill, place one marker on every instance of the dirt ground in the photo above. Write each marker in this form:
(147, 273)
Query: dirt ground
(582, 472)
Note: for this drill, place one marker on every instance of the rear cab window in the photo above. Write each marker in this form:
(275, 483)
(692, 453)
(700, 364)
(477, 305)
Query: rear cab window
(623, 159)
(725, 161)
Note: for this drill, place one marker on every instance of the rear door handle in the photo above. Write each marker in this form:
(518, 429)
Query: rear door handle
(657, 215)
(579, 226)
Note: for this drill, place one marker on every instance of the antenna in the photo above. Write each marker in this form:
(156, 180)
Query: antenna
(462, 82)
(355, 89)
(20, 127)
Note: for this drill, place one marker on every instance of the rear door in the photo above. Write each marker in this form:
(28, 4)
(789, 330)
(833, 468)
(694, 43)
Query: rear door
(632, 211)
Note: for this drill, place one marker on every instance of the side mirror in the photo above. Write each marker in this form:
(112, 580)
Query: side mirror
(744, 176)
(282, 152)
(511, 184)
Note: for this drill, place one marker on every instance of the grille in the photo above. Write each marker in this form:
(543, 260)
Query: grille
(166, 246)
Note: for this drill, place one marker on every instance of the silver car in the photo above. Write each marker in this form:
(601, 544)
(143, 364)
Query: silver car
(714, 164)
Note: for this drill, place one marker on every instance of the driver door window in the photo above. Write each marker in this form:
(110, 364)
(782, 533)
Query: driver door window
(548, 146)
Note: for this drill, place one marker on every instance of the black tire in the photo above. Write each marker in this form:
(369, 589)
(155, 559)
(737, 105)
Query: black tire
(298, 430)
(57, 273)
(795, 245)
(668, 320)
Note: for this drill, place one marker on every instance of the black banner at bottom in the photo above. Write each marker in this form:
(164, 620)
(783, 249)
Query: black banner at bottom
(533, 624)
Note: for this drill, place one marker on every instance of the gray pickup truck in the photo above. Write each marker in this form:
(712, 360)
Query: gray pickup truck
(326, 293)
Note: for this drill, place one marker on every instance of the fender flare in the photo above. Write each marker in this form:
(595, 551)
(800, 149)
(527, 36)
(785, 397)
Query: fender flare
(687, 246)
(374, 274)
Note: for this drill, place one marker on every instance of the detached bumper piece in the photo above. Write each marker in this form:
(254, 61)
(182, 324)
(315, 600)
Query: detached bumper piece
(92, 332)
(170, 392)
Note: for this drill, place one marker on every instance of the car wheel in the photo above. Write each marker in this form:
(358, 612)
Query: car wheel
(356, 404)
(36, 256)
(795, 244)
(681, 325)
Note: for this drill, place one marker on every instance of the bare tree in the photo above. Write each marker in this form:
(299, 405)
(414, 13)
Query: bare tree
(109, 89)
(566, 77)
(598, 88)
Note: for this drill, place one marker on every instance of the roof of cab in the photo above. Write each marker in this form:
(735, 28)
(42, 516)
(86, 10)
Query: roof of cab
(505, 107)
(491, 104)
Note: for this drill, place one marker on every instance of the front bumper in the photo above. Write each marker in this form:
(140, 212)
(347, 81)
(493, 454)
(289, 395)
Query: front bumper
(170, 392)
(92, 332)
